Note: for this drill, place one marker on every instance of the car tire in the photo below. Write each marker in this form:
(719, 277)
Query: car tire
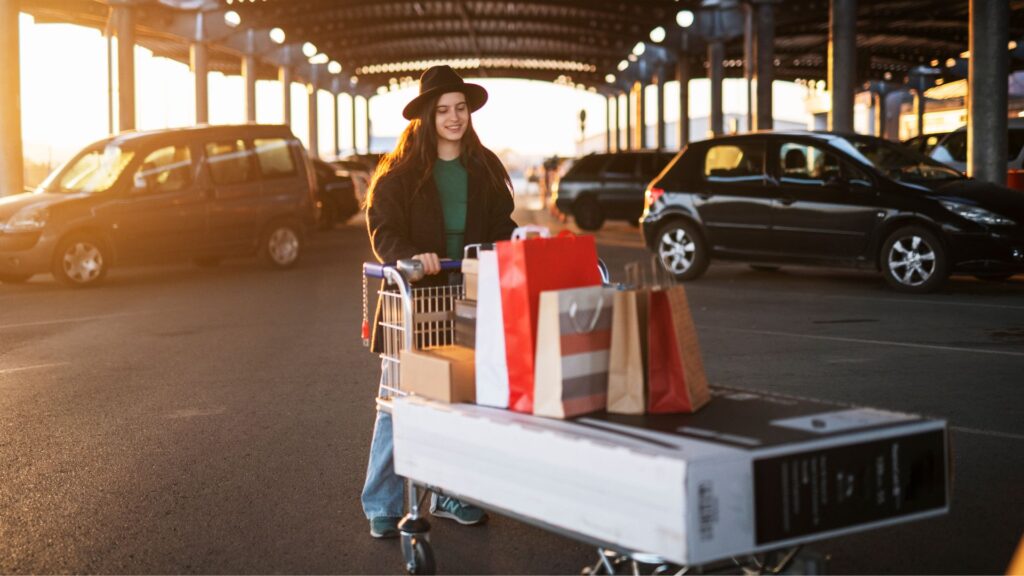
(681, 249)
(763, 268)
(588, 214)
(14, 278)
(281, 244)
(81, 261)
(913, 260)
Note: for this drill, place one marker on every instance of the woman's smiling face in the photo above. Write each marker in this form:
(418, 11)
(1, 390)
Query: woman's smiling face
(451, 116)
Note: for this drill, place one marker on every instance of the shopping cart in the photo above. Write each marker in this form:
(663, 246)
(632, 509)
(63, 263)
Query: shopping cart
(422, 317)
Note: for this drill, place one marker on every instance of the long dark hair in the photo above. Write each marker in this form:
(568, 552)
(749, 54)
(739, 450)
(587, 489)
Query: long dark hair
(416, 152)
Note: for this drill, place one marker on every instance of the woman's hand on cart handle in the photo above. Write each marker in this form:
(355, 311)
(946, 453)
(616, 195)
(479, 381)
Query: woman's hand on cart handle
(431, 263)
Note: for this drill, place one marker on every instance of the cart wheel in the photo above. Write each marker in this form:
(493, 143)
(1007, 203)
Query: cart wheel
(419, 555)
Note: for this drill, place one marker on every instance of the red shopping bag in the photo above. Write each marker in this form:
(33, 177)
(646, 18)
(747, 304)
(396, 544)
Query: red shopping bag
(527, 268)
(676, 379)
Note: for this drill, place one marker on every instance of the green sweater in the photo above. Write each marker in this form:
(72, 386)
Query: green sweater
(453, 186)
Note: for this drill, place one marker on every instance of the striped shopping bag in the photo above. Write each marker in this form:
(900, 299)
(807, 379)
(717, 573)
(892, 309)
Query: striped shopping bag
(573, 340)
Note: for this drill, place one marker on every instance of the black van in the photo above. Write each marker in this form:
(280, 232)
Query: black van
(202, 193)
(601, 187)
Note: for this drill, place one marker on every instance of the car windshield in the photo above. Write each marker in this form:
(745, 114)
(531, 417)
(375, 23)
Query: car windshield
(90, 173)
(894, 160)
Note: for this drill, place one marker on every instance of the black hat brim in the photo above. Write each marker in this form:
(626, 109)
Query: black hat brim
(476, 97)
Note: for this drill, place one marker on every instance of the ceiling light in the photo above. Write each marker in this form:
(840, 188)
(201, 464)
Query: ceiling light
(319, 59)
(1012, 45)
(965, 54)
(639, 48)
(684, 18)
(950, 62)
(382, 90)
(334, 67)
(277, 35)
(309, 49)
(623, 65)
(232, 19)
(658, 35)
(610, 78)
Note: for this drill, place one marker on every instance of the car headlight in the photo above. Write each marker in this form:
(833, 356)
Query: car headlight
(28, 219)
(979, 215)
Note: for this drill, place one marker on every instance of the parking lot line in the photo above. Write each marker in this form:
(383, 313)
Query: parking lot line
(816, 295)
(4, 371)
(72, 320)
(865, 341)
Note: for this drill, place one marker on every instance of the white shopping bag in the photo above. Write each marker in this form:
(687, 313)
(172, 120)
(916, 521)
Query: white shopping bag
(491, 370)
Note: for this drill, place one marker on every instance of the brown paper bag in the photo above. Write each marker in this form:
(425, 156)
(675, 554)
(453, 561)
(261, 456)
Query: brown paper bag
(627, 368)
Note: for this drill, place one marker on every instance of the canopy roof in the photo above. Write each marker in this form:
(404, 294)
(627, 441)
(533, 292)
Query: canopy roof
(570, 41)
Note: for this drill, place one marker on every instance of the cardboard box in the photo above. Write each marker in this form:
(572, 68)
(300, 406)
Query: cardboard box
(750, 472)
(446, 374)
(465, 323)
(470, 273)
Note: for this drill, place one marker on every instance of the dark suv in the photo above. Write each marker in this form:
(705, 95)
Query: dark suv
(819, 198)
(608, 186)
(203, 193)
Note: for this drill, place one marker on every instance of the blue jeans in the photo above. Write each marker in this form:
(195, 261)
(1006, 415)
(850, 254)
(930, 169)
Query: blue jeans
(383, 490)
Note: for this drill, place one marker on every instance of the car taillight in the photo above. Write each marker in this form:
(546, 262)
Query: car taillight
(652, 195)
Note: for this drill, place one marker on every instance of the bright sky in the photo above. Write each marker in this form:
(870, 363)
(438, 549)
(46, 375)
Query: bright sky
(63, 111)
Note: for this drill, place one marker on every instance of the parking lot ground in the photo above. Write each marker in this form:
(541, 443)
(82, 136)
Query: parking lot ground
(188, 420)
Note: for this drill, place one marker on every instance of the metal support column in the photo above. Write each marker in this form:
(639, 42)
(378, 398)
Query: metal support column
(314, 119)
(125, 67)
(249, 75)
(607, 125)
(661, 109)
(987, 90)
(748, 61)
(369, 126)
(716, 72)
(355, 143)
(618, 123)
(641, 114)
(284, 74)
(630, 111)
(764, 64)
(199, 62)
(12, 158)
(337, 125)
(842, 63)
(683, 76)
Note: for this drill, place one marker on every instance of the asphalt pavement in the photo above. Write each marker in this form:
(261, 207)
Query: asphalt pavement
(189, 420)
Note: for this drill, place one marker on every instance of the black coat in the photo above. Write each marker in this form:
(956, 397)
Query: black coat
(404, 220)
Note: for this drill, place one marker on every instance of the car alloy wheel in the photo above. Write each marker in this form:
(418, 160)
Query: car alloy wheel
(282, 245)
(914, 260)
(80, 262)
(681, 250)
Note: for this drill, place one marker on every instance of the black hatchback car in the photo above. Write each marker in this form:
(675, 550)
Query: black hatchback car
(203, 193)
(601, 187)
(836, 200)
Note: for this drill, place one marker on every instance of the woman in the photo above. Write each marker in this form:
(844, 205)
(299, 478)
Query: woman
(439, 190)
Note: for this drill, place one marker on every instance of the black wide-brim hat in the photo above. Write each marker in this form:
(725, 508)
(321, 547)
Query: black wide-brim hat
(438, 80)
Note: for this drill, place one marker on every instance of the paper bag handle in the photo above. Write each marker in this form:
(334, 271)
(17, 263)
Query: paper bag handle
(524, 232)
(574, 309)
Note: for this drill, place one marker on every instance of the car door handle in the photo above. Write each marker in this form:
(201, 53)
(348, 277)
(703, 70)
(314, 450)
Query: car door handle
(786, 200)
(704, 196)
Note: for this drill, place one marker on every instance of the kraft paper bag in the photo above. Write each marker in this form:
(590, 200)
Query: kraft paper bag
(627, 365)
(491, 368)
(676, 379)
(573, 339)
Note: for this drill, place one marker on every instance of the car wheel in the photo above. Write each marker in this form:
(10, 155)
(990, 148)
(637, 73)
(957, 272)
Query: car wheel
(14, 278)
(588, 214)
(281, 245)
(993, 277)
(763, 268)
(681, 250)
(81, 261)
(913, 260)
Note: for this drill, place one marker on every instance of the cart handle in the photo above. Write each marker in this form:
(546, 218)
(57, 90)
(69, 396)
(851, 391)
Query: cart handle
(409, 268)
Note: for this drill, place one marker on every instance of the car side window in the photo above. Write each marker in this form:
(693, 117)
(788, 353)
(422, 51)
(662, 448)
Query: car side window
(230, 162)
(275, 157)
(956, 145)
(621, 166)
(168, 169)
(731, 163)
(1014, 144)
(588, 166)
(801, 163)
